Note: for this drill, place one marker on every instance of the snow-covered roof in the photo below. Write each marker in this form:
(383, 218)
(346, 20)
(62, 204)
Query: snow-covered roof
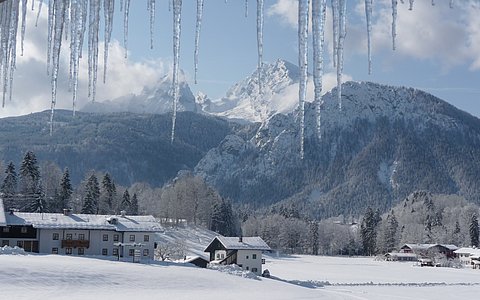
(424, 247)
(468, 250)
(2, 214)
(401, 254)
(84, 221)
(234, 243)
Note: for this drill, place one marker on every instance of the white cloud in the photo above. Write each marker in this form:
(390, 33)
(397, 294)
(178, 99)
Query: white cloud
(448, 37)
(32, 85)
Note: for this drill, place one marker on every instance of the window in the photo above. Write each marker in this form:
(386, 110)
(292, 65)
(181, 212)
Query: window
(6, 229)
(20, 244)
(254, 270)
(81, 251)
(68, 251)
(24, 230)
(105, 237)
(54, 250)
(104, 251)
(55, 236)
(132, 238)
(131, 252)
(246, 257)
(115, 237)
(68, 236)
(246, 268)
(254, 256)
(146, 238)
(218, 255)
(222, 255)
(263, 261)
(81, 236)
(115, 252)
(5, 243)
(145, 252)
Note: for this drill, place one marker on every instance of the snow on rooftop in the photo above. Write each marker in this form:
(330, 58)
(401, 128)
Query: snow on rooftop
(252, 243)
(468, 250)
(83, 221)
(2, 214)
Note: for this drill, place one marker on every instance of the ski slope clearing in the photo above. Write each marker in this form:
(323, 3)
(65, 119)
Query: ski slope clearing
(299, 277)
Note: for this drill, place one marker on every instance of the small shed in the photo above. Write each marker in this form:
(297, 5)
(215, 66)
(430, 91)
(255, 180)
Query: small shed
(197, 261)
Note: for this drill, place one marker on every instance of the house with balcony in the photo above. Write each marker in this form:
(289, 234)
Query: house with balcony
(246, 252)
(120, 236)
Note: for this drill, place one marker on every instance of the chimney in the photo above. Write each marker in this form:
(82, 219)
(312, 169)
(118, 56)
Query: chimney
(66, 211)
(123, 213)
(240, 239)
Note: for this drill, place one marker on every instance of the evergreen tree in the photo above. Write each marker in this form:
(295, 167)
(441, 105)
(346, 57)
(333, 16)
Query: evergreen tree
(313, 237)
(31, 187)
(92, 195)
(474, 232)
(391, 232)
(368, 231)
(109, 194)
(62, 196)
(9, 186)
(223, 218)
(126, 202)
(37, 202)
(134, 205)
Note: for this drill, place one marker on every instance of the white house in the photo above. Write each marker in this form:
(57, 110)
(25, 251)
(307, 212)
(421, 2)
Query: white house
(467, 255)
(79, 234)
(245, 252)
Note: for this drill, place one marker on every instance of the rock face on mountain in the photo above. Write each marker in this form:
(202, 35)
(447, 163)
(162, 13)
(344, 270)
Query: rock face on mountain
(245, 101)
(385, 143)
(155, 100)
(131, 147)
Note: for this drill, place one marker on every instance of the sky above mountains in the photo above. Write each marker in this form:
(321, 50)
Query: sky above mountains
(438, 50)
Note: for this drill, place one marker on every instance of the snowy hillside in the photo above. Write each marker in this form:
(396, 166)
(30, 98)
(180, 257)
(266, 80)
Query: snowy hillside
(245, 101)
(154, 100)
(298, 277)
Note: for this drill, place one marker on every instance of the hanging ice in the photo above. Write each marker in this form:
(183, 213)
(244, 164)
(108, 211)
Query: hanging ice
(318, 25)
(394, 23)
(342, 32)
(24, 19)
(93, 28)
(368, 16)
(177, 16)
(77, 31)
(59, 22)
(126, 11)
(433, 2)
(197, 35)
(260, 42)
(303, 11)
(246, 8)
(50, 32)
(151, 8)
(39, 11)
(9, 22)
(108, 9)
(411, 4)
(451, 3)
(335, 30)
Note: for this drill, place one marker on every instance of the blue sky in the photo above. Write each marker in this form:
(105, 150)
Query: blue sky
(438, 50)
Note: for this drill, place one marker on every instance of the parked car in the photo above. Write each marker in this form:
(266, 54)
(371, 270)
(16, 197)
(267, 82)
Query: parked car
(266, 273)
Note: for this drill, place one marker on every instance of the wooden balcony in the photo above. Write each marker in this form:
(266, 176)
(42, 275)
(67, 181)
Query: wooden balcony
(75, 243)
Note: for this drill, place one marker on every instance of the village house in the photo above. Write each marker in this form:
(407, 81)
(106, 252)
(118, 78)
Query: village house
(79, 234)
(425, 250)
(469, 256)
(400, 256)
(246, 252)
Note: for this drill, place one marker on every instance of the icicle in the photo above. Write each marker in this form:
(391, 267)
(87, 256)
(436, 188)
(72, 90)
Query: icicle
(121, 5)
(50, 33)
(13, 45)
(260, 42)
(394, 23)
(411, 5)
(93, 28)
(451, 3)
(8, 46)
(197, 35)
(170, 5)
(368, 15)
(433, 2)
(39, 11)
(59, 22)
(66, 21)
(24, 19)
(335, 30)
(33, 5)
(303, 11)
(342, 32)
(151, 8)
(318, 28)
(177, 16)
(125, 26)
(246, 8)
(109, 10)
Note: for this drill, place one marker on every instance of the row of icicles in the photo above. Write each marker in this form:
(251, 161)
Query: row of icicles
(68, 20)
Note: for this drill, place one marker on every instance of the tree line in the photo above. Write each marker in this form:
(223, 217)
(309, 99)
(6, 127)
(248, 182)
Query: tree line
(29, 191)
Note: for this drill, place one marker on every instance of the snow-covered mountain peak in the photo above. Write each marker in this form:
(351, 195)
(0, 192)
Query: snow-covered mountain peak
(245, 100)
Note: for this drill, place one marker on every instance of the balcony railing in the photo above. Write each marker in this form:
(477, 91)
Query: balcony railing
(75, 243)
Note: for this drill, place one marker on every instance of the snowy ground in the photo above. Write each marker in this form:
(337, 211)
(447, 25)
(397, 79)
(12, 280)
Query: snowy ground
(61, 277)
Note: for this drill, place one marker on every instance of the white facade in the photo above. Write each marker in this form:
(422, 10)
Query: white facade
(250, 260)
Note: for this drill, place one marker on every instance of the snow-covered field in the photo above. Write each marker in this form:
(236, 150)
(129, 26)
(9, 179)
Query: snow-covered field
(300, 277)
